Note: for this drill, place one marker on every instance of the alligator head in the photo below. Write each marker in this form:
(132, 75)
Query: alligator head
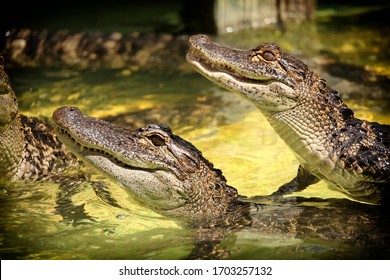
(159, 169)
(351, 155)
(265, 75)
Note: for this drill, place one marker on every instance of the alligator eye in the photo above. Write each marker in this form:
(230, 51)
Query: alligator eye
(269, 56)
(156, 140)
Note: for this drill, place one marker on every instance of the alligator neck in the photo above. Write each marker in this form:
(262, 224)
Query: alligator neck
(309, 125)
(214, 211)
(11, 150)
(30, 150)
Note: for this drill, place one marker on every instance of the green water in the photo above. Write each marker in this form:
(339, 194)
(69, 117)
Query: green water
(229, 131)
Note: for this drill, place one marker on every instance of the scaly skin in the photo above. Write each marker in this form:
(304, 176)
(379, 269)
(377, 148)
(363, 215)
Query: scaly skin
(160, 169)
(29, 148)
(351, 155)
(169, 175)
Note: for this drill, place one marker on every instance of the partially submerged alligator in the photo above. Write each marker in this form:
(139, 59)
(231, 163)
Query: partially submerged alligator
(29, 148)
(351, 155)
(169, 175)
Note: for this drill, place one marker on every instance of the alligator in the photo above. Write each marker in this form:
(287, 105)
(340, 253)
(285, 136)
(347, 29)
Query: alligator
(351, 155)
(91, 50)
(169, 175)
(29, 148)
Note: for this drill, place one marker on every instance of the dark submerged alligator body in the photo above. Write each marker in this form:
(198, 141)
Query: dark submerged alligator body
(169, 175)
(351, 155)
(82, 50)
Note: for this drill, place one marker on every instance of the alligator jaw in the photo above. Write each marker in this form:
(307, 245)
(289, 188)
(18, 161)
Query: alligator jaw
(202, 56)
(88, 151)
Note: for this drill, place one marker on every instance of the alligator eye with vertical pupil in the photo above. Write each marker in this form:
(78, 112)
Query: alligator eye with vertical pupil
(268, 56)
(156, 140)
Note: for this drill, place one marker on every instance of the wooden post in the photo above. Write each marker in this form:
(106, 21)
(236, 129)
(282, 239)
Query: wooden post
(233, 15)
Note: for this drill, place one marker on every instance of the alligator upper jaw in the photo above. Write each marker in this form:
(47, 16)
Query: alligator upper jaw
(91, 153)
(84, 150)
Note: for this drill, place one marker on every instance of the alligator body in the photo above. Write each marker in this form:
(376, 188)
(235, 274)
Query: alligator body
(29, 148)
(351, 155)
(82, 50)
(30, 152)
(169, 175)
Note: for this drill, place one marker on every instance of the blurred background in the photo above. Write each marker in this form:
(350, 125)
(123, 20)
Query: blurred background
(174, 16)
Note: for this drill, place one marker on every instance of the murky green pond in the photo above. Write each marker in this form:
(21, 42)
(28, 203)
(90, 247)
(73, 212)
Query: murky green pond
(229, 131)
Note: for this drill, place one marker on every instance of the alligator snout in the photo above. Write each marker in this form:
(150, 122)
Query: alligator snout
(61, 114)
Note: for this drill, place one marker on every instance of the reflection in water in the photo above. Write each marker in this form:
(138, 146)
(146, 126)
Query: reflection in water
(229, 131)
